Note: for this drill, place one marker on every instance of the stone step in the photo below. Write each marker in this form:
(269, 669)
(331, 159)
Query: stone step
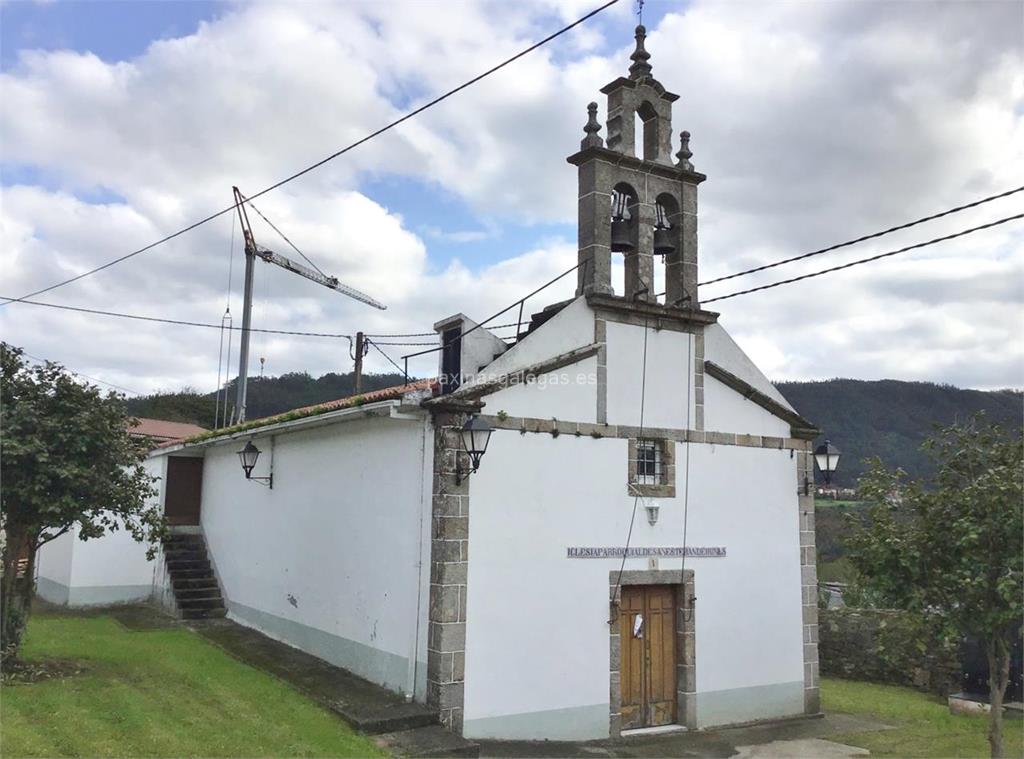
(203, 613)
(206, 602)
(187, 594)
(431, 740)
(195, 541)
(185, 554)
(188, 565)
(194, 583)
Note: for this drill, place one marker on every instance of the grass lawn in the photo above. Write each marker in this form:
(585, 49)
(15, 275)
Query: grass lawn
(925, 726)
(158, 693)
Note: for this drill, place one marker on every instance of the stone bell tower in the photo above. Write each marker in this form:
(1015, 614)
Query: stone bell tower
(642, 206)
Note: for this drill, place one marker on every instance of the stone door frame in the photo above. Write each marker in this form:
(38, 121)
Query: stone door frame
(685, 626)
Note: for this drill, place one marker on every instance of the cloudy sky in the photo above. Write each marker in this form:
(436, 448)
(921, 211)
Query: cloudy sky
(815, 123)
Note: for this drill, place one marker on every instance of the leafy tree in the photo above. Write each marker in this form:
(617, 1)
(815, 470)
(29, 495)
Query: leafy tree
(956, 547)
(66, 460)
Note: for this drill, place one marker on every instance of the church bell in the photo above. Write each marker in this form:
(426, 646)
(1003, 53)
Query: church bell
(622, 240)
(663, 244)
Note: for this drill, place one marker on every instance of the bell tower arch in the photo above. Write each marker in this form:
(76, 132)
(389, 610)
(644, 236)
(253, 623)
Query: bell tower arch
(643, 207)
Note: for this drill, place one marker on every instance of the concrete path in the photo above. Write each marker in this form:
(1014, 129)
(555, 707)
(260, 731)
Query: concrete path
(796, 738)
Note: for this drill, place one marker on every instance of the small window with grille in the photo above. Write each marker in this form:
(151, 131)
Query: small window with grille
(652, 467)
(648, 462)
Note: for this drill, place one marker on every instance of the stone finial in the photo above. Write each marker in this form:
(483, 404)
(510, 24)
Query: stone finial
(685, 154)
(640, 56)
(592, 127)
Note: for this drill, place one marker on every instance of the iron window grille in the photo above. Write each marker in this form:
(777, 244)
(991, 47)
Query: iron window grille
(649, 468)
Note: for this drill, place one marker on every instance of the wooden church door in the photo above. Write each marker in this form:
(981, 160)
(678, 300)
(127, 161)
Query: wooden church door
(647, 618)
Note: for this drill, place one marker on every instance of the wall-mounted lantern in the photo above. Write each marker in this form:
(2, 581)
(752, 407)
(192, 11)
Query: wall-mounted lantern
(827, 457)
(249, 456)
(475, 435)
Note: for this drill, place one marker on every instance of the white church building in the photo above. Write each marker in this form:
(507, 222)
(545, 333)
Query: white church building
(635, 548)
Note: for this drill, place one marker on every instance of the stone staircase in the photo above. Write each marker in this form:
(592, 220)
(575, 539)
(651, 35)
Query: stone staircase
(196, 591)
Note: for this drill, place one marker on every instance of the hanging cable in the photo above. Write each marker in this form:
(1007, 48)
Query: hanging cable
(225, 320)
(39, 360)
(180, 322)
(880, 256)
(872, 236)
(636, 495)
(331, 157)
(385, 355)
(692, 352)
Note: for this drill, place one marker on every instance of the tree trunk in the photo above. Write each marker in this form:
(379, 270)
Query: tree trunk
(13, 612)
(998, 678)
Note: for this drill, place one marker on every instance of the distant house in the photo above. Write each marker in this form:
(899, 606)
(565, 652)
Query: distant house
(162, 431)
(114, 568)
(636, 548)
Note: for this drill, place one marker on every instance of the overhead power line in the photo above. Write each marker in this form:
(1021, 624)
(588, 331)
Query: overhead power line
(385, 355)
(329, 158)
(869, 259)
(79, 374)
(872, 236)
(180, 322)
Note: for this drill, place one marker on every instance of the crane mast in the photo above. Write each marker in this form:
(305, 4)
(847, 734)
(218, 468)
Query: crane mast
(252, 252)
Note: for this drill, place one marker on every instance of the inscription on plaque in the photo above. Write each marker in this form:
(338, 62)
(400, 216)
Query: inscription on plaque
(640, 552)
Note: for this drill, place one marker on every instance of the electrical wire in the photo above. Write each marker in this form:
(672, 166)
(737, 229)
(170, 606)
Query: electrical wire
(180, 322)
(39, 360)
(496, 315)
(869, 259)
(331, 157)
(636, 495)
(686, 474)
(863, 238)
(385, 355)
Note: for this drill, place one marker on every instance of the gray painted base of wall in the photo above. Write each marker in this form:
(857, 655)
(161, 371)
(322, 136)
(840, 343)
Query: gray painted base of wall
(714, 709)
(577, 723)
(52, 591)
(90, 595)
(373, 664)
(728, 707)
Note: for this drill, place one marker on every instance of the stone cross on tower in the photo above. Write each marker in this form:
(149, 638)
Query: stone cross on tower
(646, 192)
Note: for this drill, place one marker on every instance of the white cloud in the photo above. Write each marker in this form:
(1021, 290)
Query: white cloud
(814, 122)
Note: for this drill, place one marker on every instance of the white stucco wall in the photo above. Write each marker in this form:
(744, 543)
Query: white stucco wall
(53, 573)
(720, 348)
(569, 329)
(725, 410)
(570, 392)
(107, 570)
(329, 559)
(537, 648)
(667, 385)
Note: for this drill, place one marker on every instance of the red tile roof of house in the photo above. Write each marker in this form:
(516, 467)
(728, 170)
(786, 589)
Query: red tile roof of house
(164, 431)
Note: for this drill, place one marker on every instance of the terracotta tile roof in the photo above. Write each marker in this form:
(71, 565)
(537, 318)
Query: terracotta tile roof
(373, 396)
(164, 431)
(384, 394)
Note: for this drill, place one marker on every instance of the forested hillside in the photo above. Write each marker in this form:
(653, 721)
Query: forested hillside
(890, 419)
(265, 396)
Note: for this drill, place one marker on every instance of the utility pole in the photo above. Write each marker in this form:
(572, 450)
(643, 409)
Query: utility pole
(360, 342)
(251, 252)
(243, 352)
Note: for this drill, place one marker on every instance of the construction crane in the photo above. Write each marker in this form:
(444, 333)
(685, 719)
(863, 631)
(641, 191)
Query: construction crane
(252, 252)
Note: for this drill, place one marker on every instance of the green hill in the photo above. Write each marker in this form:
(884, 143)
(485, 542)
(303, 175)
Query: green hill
(890, 419)
(265, 396)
